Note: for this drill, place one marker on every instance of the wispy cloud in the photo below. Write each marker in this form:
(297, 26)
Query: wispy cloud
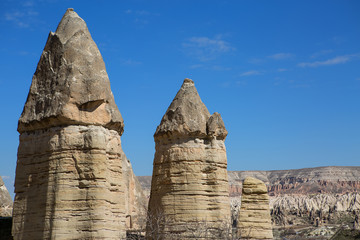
(321, 53)
(196, 66)
(141, 16)
(331, 61)
(281, 56)
(207, 67)
(5, 177)
(130, 62)
(256, 61)
(22, 17)
(221, 68)
(282, 70)
(137, 12)
(250, 73)
(205, 49)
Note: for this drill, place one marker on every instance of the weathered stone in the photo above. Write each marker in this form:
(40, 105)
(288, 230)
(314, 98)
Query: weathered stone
(69, 182)
(135, 200)
(254, 216)
(6, 203)
(189, 184)
(70, 85)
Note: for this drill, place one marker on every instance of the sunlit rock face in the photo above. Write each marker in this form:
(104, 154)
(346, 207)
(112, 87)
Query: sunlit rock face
(69, 182)
(254, 221)
(189, 183)
(6, 203)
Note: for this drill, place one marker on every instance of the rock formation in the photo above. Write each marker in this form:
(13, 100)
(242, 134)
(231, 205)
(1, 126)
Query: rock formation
(69, 182)
(135, 199)
(254, 220)
(305, 181)
(6, 204)
(189, 184)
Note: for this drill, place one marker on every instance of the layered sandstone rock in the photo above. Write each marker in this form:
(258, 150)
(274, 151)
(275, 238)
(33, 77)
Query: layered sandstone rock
(135, 199)
(69, 182)
(6, 203)
(254, 220)
(189, 184)
(332, 179)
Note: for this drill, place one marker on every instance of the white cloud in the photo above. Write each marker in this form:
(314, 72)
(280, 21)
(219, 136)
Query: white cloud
(21, 18)
(282, 70)
(250, 73)
(281, 56)
(130, 62)
(220, 68)
(332, 61)
(205, 49)
(195, 66)
(321, 53)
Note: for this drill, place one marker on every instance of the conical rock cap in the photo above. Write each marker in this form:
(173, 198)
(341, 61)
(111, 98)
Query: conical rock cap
(187, 115)
(70, 85)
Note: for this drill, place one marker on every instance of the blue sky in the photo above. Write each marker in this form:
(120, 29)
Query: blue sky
(284, 75)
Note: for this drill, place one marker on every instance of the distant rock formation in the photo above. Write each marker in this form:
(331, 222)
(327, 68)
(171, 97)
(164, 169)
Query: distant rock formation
(254, 220)
(325, 207)
(6, 203)
(332, 179)
(69, 182)
(189, 184)
(135, 199)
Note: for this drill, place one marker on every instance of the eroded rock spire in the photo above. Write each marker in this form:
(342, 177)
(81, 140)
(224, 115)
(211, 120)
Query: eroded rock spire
(254, 221)
(70, 85)
(189, 190)
(69, 182)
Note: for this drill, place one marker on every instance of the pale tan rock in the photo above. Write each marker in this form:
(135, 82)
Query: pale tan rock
(70, 85)
(135, 199)
(254, 221)
(6, 203)
(189, 183)
(69, 182)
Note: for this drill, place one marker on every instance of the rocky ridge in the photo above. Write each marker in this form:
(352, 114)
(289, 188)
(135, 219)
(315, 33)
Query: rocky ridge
(330, 179)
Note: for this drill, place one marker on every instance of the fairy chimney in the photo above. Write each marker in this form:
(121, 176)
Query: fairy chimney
(254, 221)
(189, 182)
(69, 181)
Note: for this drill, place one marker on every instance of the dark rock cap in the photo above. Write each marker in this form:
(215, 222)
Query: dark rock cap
(188, 116)
(70, 85)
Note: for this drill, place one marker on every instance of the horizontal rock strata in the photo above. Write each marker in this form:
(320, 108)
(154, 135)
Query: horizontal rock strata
(189, 185)
(69, 182)
(330, 179)
(254, 221)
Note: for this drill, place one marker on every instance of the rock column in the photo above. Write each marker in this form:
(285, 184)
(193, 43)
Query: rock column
(189, 189)
(254, 215)
(69, 182)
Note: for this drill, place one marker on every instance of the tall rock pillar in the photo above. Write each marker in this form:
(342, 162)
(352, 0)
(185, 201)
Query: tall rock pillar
(189, 189)
(69, 170)
(254, 220)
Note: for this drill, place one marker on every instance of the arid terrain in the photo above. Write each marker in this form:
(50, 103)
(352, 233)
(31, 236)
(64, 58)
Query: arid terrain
(308, 203)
